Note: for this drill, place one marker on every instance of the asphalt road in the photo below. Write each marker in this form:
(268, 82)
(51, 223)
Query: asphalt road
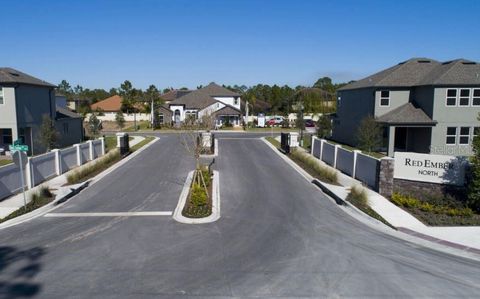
(278, 237)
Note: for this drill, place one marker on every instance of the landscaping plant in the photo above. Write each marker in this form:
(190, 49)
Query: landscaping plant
(474, 184)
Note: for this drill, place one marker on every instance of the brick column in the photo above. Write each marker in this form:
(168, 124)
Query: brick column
(385, 176)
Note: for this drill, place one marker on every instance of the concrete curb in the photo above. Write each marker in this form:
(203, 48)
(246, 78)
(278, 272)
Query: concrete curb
(67, 192)
(177, 214)
(215, 151)
(374, 223)
(64, 194)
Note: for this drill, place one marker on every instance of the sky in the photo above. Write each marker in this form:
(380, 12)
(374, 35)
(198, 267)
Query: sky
(99, 44)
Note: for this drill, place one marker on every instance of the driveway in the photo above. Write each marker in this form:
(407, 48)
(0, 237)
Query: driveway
(279, 236)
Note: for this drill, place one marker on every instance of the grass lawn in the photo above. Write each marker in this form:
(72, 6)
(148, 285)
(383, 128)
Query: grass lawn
(274, 129)
(146, 141)
(141, 125)
(5, 162)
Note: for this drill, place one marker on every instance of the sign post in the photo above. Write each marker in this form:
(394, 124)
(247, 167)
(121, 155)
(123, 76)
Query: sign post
(18, 150)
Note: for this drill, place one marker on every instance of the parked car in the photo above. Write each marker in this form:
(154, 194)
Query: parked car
(310, 123)
(275, 121)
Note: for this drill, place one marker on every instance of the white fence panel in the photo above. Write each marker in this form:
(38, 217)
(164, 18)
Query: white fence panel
(43, 168)
(85, 152)
(345, 160)
(97, 148)
(69, 158)
(328, 154)
(10, 180)
(367, 170)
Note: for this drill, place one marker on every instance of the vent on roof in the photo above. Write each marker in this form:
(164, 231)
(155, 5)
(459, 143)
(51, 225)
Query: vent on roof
(424, 61)
(469, 62)
(14, 74)
(447, 62)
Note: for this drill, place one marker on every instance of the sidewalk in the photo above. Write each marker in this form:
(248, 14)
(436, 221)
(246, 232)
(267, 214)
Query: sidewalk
(13, 203)
(462, 237)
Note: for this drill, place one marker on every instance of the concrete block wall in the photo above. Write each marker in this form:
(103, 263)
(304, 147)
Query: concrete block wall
(46, 166)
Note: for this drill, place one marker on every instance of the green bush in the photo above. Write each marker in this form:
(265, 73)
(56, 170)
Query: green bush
(410, 202)
(198, 196)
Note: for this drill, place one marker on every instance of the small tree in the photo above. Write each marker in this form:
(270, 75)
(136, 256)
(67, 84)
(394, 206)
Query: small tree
(48, 134)
(190, 139)
(120, 119)
(369, 135)
(324, 126)
(473, 199)
(94, 125)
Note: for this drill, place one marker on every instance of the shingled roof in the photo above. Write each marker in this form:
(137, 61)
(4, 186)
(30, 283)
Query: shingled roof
(194, 100)
(203, 97)
(174, 94)
(406, 114)
(216, 90)
(422, 71)
(12, 76)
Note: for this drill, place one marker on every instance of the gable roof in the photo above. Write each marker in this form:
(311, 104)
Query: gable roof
(113, 103)
(228, 110)
(216, 90)
(194, 100)
(406, 114)
(422, 71)
(11, 76)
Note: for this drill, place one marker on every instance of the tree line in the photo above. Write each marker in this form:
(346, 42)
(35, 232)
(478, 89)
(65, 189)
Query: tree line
(318, 98)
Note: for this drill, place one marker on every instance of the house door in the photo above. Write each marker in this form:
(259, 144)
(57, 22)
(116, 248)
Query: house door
(401, 138)
(177, 116)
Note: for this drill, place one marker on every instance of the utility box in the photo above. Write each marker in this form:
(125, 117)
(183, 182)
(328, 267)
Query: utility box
(123, 143)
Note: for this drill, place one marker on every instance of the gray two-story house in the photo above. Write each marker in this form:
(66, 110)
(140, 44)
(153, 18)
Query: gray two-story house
(424, 105)
(24, 100)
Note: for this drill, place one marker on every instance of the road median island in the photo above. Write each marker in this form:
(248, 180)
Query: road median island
(196, 205)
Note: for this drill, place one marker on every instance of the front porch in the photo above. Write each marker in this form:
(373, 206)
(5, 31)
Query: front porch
(407, 129)
(228, 116)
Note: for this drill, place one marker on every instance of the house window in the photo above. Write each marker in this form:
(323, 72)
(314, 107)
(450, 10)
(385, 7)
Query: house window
(464, 135)
(476, 97)
(384, 98)
(451, 97)
(7, 136)
(160, 118)
(451, 135)
(235, 101)
(464, 97)
(2, 101)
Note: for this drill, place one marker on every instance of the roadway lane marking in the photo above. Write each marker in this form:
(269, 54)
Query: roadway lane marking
(111, 214)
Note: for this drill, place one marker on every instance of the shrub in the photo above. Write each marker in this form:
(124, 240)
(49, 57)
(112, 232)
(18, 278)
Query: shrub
(358, 197)
(89, 170)
(198, 196)
(322, 172)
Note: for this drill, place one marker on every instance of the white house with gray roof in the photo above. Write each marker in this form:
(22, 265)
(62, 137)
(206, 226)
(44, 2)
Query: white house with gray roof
(214, 99)
(425, 106)
(23, 102)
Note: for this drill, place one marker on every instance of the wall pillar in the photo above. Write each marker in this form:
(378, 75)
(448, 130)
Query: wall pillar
(90, 150)
(385, 176)
(337, 146)
(29, 173)
(391, 141)
(355, 155)
(79, 154)
(102, 140)
(312, 144)
(320, 156)
(58, 161)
